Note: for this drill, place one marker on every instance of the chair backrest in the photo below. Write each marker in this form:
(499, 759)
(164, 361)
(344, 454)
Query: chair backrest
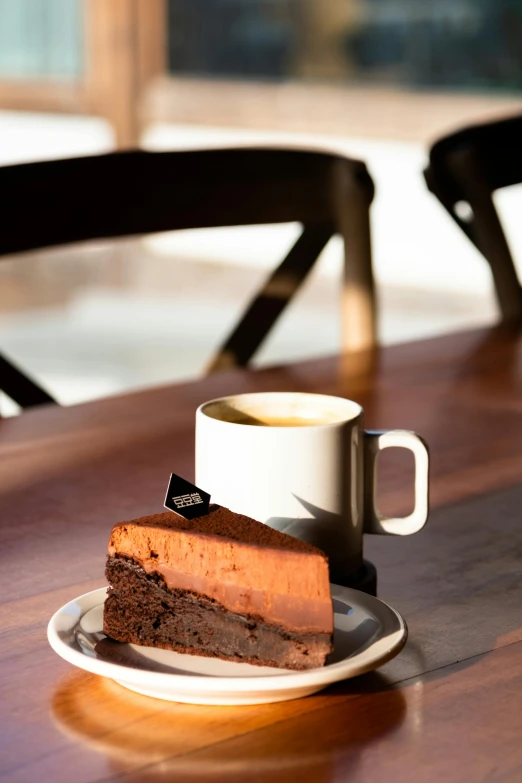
(464, 170)
(136, 192)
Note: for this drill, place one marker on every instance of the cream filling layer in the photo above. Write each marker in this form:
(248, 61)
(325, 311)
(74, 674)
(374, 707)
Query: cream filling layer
(288, 611)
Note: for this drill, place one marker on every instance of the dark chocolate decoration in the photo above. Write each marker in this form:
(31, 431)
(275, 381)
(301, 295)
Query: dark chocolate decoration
(185, 498)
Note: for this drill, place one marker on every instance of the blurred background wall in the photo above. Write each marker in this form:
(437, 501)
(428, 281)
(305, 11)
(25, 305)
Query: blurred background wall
(377, 79)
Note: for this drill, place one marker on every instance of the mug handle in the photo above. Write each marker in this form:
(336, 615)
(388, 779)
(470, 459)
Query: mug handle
(374, 522)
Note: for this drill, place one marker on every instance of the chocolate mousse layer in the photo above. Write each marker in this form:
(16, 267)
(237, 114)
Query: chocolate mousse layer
(220, 585)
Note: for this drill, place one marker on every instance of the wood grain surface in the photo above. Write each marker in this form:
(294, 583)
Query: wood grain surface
(448, 708)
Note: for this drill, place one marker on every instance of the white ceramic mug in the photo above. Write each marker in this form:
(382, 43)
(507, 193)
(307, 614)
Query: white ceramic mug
(303, 463)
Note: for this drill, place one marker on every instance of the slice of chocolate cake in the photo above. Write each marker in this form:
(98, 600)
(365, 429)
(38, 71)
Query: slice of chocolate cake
(220, 585)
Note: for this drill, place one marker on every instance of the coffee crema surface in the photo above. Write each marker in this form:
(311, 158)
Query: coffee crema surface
(279, 421)
(281, 410)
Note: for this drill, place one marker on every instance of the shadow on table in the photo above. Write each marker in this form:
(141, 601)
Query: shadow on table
(210, 744)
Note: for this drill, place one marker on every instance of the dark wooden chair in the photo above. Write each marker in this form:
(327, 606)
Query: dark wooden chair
(464, 170)
(130, 193)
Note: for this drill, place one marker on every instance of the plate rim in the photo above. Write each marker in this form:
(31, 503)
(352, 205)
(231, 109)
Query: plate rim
(187, 683)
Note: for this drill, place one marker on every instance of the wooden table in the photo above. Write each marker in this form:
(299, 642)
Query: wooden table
(449, 708)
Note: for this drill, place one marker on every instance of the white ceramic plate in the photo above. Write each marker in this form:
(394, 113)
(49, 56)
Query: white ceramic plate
(367, 633)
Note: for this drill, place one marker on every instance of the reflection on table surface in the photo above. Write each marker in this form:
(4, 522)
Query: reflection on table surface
(134, 731)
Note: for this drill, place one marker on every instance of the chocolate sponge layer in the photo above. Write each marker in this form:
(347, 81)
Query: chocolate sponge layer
(141, 609)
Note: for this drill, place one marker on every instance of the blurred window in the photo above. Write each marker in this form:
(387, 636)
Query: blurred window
(436, 43)
(41, 38)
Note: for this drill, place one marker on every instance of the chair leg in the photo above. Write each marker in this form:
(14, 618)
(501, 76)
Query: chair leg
(19, 388)
(272, 300)
(359, 304)
(492, 242)
(487, 233)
